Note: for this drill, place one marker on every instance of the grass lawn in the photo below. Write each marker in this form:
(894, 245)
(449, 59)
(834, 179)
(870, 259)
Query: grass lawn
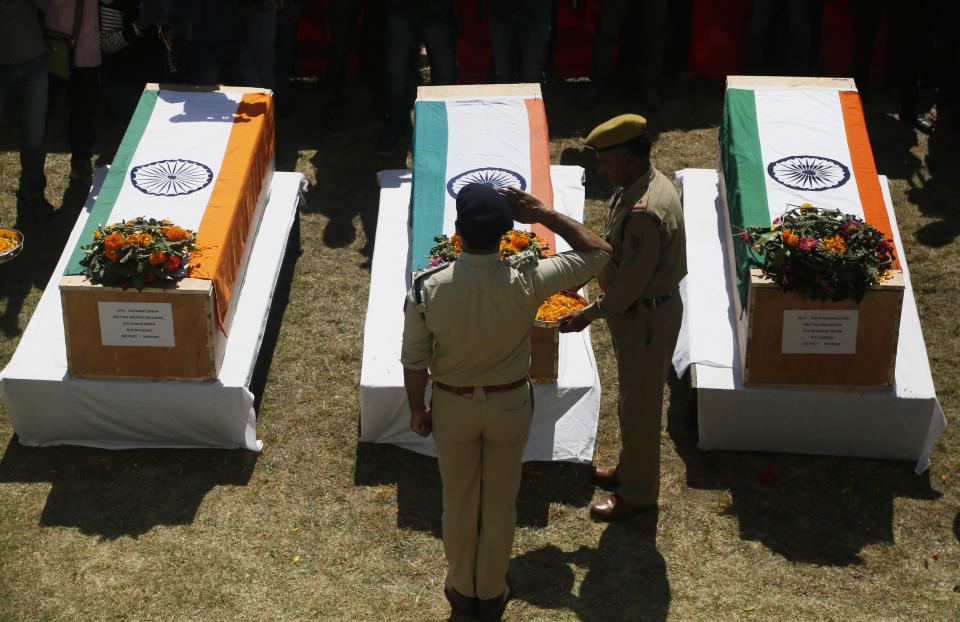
(319, 526)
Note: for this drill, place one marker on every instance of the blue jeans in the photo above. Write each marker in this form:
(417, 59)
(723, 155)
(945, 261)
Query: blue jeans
(28, 83)
(520, 39)
(435, 24)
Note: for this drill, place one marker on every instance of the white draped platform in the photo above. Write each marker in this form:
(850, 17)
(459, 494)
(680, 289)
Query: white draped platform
(902, 423)
(46, 407)
(565, 414)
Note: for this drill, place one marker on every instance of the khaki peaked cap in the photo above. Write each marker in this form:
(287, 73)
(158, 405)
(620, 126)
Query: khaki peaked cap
(616, 131)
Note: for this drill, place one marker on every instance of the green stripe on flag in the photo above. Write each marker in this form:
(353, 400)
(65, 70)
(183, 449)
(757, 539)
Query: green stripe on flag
(114, 181)
(428, 195)
(743, 175)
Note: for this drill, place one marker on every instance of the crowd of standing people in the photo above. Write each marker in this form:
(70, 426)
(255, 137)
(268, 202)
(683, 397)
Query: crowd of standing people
(101, 52)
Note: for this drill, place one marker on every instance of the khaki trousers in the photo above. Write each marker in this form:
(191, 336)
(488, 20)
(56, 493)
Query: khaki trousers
(479, 441)
(643, 343)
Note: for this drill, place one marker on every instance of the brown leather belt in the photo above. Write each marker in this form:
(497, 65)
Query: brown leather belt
(490, 388)
(653, 303)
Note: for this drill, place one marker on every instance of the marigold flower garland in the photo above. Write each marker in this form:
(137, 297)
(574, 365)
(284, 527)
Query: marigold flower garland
(820, 253)
(138, 253)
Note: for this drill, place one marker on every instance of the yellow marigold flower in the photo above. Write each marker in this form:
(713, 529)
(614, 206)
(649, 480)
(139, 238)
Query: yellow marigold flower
(158, 258)
(558, 305)
(97, 234)
(793, 240)
(146, 239)
(835, 244)
(175, 234)
(113, 242)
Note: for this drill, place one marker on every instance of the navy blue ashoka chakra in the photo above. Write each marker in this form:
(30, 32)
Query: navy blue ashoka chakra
(171, 178)
(488, 176)
(807, 172)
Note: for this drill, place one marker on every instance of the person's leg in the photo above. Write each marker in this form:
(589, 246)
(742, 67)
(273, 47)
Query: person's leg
(286, 50)
(533, 32)
(505, 432)
(500, 22)
(32, 92)
(342, 16)
(401, 44)
(643, 347)
(456, 436)
(753, 60)
(438, 28)
(83, 94)
(258, 32)
(654, 34)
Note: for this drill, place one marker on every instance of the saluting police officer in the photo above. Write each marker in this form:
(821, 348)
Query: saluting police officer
(469, 322)
(640, 303)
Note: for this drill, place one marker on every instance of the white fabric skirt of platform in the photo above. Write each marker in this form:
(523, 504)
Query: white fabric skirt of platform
(900, 424)
(565, 415)
(46, 407)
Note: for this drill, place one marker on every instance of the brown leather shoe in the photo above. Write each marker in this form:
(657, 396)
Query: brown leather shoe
(605, 477)
(492, 608)
(614, 508)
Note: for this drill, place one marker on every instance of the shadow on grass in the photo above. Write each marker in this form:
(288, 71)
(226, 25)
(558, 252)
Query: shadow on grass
(936, 197)
(116, 493)
(35, 264)
(810, 509)
(626, 575)
(419, 489)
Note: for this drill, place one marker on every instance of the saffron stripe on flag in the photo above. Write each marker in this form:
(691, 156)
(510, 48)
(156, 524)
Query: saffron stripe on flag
(864, 166)
(103, 206)
(540, 184)
(429, 184)
(743, 172)
(226, 221)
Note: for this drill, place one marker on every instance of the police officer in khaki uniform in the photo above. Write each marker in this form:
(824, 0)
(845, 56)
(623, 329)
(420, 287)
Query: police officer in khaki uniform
(640, 303)
(469, 322)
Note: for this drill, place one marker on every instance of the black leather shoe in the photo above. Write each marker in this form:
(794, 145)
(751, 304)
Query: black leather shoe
(459, 602)
(491, 609)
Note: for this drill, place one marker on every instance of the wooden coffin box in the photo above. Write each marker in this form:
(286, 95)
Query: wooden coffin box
(166, 334)
(786, 340)
(544, 353)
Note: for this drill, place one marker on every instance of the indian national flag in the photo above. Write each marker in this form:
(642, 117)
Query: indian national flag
(199, 160)
(784, 147)
(500, 141)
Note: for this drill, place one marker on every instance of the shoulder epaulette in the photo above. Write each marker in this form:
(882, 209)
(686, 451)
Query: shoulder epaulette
(418, 281)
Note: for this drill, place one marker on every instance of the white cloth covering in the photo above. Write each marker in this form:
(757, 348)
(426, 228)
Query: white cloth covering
(566, 412)
(902, 423)
(46, 407)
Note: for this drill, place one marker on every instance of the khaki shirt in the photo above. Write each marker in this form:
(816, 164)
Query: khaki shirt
(472, 325)
(645, 228)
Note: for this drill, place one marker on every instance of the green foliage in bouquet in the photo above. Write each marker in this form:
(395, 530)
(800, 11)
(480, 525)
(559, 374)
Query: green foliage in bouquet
(822, 254)
(138, 253)
(516, 246)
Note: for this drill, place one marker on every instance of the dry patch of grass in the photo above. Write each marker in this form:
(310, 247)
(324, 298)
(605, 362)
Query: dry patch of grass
(321, 527)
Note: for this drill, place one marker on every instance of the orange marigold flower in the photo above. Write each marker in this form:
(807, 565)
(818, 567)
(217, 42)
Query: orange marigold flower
(111, 255)
(520, 242)
(786, 235)
(113, 242)
(158, 258)
(558, 305)
(835, 244)
(146, 239)
(793, 240)
(175, 234)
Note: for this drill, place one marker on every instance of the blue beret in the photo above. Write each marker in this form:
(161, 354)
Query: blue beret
(482, 209)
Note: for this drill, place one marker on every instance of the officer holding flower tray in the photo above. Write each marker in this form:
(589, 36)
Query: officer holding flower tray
(641, 305)
(468, 322)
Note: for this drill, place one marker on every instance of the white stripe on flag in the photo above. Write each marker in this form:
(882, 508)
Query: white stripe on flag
(804, 123)
(183, 126)
(485, 133)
